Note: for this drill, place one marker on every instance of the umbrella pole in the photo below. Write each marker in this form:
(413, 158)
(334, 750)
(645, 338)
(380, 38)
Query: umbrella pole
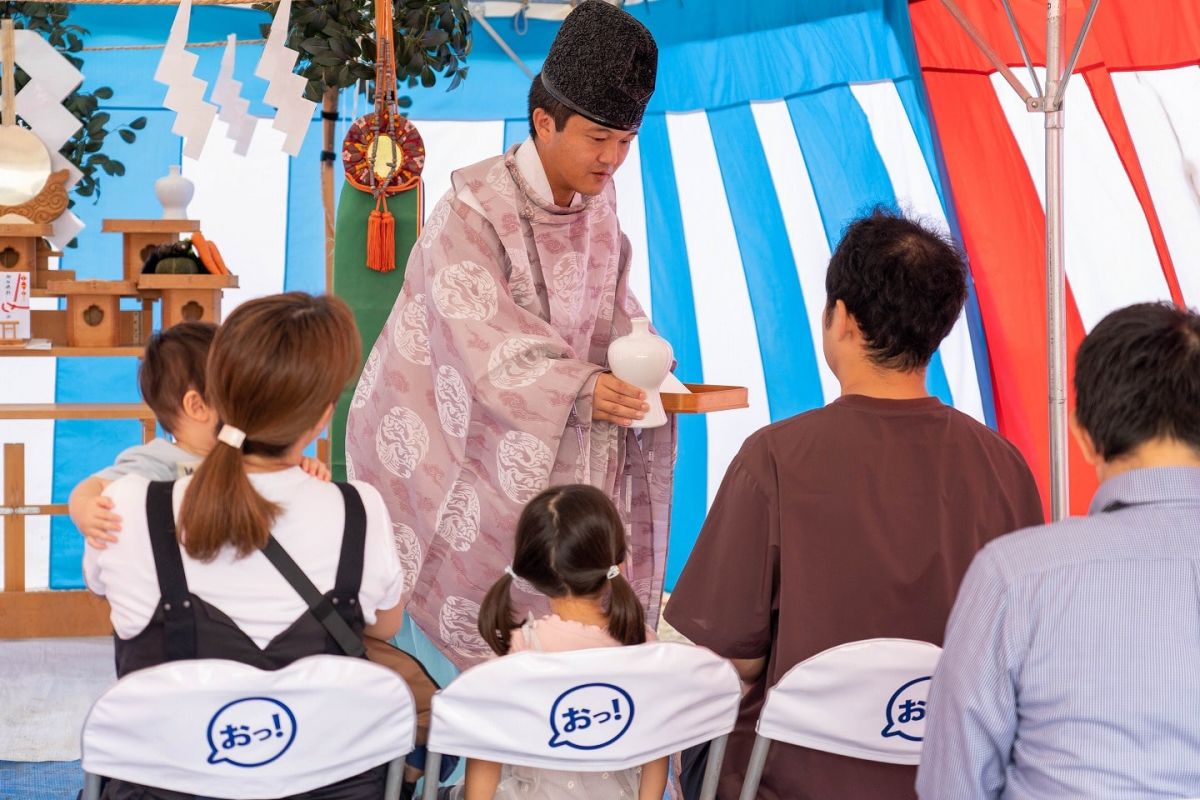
(1049, 103)
(1056, 328)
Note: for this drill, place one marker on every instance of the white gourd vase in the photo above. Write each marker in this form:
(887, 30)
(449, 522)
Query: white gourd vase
(643, 359)
(174, 192)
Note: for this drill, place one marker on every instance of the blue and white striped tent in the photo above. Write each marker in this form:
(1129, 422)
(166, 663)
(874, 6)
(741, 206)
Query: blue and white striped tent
(773, 125)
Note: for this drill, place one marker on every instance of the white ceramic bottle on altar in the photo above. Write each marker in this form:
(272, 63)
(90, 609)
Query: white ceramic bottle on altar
(643, 359)
(174, 192)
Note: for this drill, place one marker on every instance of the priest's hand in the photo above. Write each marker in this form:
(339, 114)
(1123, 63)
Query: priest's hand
(616, 401)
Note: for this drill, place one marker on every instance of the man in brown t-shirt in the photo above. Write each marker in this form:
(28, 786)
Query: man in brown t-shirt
(857, 520)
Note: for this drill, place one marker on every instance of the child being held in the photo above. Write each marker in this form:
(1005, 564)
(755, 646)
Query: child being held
(171, 380)
(570, 544)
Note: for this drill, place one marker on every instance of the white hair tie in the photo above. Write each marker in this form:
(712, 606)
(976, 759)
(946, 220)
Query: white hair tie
(232, 436)
(508, 570)
(613, 571)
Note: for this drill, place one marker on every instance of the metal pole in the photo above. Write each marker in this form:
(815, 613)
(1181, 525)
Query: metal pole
(481, 20)
(1083, 32)
(988, 52)
(1056, 340)
(712, 770)
(1012, 23)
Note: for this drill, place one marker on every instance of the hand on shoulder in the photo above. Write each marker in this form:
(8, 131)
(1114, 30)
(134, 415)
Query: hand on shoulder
(316, 468)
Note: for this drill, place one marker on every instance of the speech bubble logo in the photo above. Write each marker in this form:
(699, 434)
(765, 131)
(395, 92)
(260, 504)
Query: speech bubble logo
(250, 732)
(590, 716)
(906, 710)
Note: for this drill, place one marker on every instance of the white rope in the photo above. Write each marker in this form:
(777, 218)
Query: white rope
(508, 51)
(192, 45)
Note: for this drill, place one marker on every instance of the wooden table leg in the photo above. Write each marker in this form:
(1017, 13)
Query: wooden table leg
(14, 524)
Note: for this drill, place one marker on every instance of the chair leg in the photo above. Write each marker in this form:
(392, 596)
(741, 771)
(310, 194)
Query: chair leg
(91, 786)
(433, 768)
(395, 777)
(712, 770)
(758, 760)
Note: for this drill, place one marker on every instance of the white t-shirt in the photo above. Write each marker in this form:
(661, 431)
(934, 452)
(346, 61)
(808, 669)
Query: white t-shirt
(250, 590)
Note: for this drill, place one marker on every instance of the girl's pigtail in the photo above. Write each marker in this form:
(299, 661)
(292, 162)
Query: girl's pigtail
(626, 619)
(496, 620)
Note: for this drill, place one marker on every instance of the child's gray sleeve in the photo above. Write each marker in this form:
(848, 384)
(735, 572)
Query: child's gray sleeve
(139, 460)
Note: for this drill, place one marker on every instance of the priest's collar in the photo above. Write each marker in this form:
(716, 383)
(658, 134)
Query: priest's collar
(529, 164)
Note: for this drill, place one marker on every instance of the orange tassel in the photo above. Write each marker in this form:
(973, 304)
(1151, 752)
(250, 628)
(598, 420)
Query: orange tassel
(381, 240)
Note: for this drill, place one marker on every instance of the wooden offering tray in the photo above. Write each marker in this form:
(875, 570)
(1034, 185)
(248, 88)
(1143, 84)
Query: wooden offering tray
(187, 298)
(706, 397)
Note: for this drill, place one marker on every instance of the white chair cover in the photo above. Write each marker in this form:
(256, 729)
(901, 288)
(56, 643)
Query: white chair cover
(862, 699)
(222, 729)
(599, 709)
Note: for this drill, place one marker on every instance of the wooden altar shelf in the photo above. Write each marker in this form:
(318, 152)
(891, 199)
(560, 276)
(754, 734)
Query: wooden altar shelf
(19, 250)
(46, 614)
(138, 236)
(51, 275)
(76, 411)
(93, 310)
(125, 351)
(188, 298)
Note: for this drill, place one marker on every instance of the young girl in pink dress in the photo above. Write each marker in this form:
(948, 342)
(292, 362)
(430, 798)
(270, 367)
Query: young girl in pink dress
(570, 546)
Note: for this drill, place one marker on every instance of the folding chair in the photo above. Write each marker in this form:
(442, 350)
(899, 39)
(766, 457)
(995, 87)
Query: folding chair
(861, 699)
(605, 709)
(217, 728)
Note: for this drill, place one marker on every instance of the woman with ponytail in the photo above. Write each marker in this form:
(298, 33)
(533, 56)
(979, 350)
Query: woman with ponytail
(570, 545)
(189, 576)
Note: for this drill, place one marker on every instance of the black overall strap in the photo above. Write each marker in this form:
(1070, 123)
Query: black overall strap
(318, 604)
(354, 544)
(179, 620)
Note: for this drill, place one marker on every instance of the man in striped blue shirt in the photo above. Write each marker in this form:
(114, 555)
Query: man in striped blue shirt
(1072, 657)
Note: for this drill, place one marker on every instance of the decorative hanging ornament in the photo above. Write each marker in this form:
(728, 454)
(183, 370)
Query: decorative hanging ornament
(235, 109)
(382, 153)
(51, 79)
(285, 89)
(185, 92)
(364, 135)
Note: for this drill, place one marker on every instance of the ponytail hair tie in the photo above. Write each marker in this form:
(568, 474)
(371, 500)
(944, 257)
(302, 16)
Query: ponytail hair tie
(613, 572)
(232, 436)
(508, 570)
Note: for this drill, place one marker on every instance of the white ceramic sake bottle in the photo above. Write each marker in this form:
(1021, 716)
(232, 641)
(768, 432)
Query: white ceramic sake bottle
(643, 359)
(174, 192)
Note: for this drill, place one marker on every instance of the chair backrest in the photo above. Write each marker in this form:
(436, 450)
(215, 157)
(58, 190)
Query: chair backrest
(591, 710)
(222, 729)
(862, 699)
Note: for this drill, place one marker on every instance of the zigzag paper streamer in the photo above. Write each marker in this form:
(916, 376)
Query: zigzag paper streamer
(185, 92)
(285, 89)
(227, 93)
(39, 103)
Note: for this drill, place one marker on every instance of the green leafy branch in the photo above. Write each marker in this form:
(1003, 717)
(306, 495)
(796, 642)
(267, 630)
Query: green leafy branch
(86, 148)
(336, 42)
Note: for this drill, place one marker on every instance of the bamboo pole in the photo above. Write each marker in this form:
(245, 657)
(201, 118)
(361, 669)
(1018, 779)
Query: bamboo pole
(329, 108)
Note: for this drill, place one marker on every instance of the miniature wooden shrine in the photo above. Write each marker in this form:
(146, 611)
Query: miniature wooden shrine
(93, 317)
(93, 310)
(19, 249)
(188, 298)
(140, 236)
